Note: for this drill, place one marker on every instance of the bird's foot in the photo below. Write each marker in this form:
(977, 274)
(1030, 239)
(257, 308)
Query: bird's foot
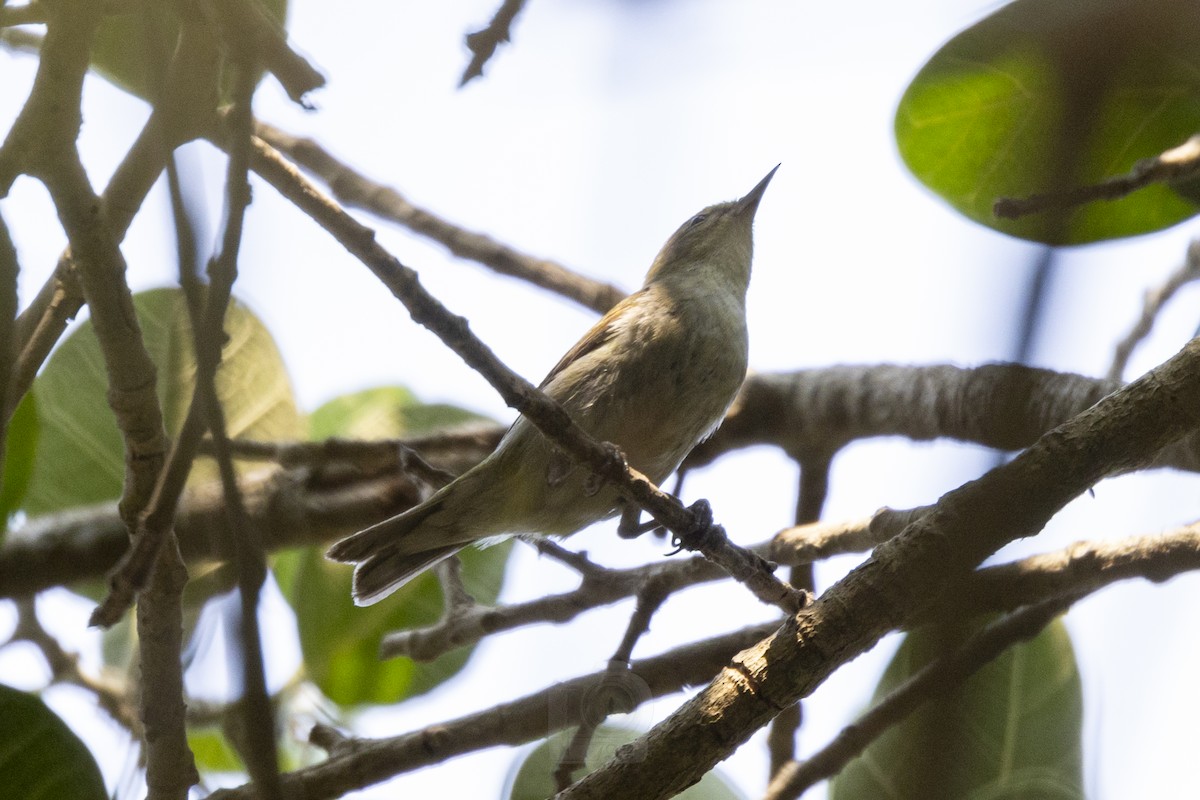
(631, 525)
(700, 530)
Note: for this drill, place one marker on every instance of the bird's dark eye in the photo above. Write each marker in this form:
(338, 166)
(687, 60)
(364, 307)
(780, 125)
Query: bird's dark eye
(696, 220)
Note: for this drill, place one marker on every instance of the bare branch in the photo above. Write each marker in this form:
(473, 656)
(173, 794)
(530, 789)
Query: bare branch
(814, 541)
(936, 679)
(355, 763)
(42, 143)
(64, 666)
(32, 13)
(483, 43)
(906, 574)
(600, 586)
(810, 500)
(1076, 570)
(9, 270)
(356, 190)
(1005, 406)
(256, 713)
(1152, 305)
(1177, 164)
(171, 123)
(620, 691)
(373, 455)
(290, 509)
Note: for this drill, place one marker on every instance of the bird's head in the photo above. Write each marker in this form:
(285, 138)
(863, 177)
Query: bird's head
(718, 238)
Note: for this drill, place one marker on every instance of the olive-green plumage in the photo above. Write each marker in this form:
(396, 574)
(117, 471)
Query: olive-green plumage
(654, 376)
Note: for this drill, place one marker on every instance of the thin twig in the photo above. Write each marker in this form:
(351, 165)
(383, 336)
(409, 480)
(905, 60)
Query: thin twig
(620, 690)
(39, 328)
(42, 324)
(812, 492)
(188, 78)
(1177, 164)
(356, 190)
(814, 541)
(42, 143)
(600, 586)
(936, 679)
(357, 763)
(373, 455)
(1152, 305)
(455, 597)
(578, 561)
(483, 43)
(9, 270)
(1074, 570)
(289, 509)
(64, 667)
(257, 713)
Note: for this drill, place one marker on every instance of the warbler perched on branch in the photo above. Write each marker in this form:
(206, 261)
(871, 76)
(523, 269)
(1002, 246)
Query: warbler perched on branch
(654, 376)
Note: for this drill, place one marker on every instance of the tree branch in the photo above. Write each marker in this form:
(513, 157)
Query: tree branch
(905, 576)
(356, 190)
(600, 586)
(936, 679)
(1004, 406)
(1152, 304)
(356, 763)
(1177, 164)
(483, 43)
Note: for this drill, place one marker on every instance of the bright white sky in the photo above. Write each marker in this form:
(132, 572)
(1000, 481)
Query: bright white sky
(589, 139)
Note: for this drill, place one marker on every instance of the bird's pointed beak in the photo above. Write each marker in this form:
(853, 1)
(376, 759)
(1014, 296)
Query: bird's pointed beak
(749, 203)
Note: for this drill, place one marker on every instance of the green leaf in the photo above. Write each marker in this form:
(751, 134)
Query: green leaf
(20, 449)
(339, 640)
(40, 758)
(213, 752)
(130, 48)
(383, 413)
(534, 772)
(80, 456)
(1012, 730)
(1050, 95)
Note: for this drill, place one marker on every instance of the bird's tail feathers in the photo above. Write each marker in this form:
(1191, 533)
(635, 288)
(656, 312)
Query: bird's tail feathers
(388, 570)
(381, 537)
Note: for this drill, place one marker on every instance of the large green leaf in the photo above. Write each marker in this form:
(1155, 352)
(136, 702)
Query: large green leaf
(1048, 95)
(533, 779)
(340, 641)
(80, 457)
(1012, 730)
(40, 758)
(20, 449)
(383, 413)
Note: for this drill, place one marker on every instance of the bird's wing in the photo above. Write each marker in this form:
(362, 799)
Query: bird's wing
(598, 336)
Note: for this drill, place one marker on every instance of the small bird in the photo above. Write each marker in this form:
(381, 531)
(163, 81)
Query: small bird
(654, 376)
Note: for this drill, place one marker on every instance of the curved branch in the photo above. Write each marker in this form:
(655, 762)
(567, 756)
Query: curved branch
(355, 763)
(356, 190)
(904, 576)
(1004, 406)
